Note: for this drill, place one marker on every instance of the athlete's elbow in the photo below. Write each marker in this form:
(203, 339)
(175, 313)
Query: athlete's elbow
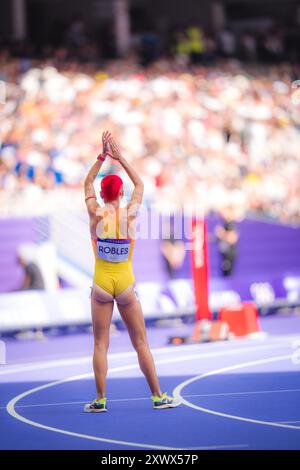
(139, 185)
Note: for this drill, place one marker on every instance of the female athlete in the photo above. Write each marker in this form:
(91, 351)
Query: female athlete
(112, 233)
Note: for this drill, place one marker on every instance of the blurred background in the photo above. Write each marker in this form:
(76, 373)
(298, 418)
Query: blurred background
(204, 99)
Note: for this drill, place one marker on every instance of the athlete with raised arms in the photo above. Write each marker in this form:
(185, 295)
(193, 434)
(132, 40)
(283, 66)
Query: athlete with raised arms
(112, 233)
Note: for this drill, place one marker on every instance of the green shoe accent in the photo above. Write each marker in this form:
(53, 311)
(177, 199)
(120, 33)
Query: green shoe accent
(164, 401)
(96, 406)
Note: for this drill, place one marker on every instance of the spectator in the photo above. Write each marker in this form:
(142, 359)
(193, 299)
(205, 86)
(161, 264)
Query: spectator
(76, 34)
(227, 237)
(33, 279)
(227, 42)
(149, 47)
(248, 47)
(173, 252)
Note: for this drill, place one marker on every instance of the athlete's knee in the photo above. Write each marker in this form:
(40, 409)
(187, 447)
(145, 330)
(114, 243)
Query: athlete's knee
(101, 339)
(139, 342)
(101, 345)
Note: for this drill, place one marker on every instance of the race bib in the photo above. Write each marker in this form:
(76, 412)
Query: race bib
(113, 250)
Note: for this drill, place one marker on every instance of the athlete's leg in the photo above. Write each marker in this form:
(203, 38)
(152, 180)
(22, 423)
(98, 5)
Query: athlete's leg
(102, 308)
(131, 312)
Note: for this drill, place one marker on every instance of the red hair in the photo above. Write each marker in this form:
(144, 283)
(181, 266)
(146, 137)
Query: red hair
(110, 187)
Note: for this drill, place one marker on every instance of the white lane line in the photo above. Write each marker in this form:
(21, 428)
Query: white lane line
(87, 359)
(291, 422)
(12, 411)
(177, 392)
(12, 405)
(37, 405)
(221, 446)
(258, 392)
(24, 367)
(66, 403)
(13, 402)
(163, 350)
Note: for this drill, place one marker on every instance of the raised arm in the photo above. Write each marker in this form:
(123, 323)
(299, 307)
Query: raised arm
(89, 190)
(137, 195)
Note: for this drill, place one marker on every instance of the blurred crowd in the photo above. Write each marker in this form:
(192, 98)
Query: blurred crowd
(222, 135)
(269, 43)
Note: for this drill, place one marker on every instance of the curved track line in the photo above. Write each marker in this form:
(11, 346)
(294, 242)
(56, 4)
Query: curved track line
(87, 359)
(177, 392)
(12, 403)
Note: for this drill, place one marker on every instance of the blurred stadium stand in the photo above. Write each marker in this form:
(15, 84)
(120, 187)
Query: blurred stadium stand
(197, 127)
(267, 271)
